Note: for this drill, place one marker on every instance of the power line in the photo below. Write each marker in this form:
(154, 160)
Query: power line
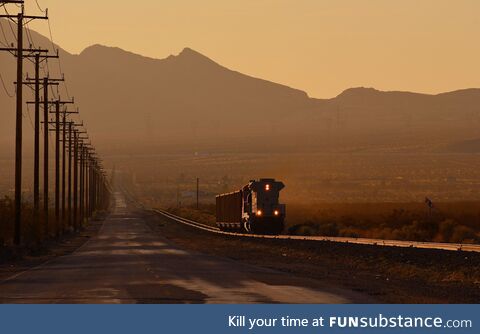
(5, 87)
(94, 189)
(29, 35)
(3, 33)
(39, 8)
(30, 118)
(10, 23)
(59, 62)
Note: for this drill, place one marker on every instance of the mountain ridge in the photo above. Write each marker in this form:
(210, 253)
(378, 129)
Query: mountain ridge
(130, 99)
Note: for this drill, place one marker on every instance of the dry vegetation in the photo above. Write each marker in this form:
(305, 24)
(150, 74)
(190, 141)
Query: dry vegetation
(454, 222)
(449, 222)
(388, 274)
(354, 194)
(35, 240)
(29, 232)
(353, 177)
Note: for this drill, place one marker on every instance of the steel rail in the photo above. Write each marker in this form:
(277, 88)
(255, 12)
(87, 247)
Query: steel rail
(360, 241)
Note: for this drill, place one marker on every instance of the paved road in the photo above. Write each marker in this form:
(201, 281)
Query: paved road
(127, 263)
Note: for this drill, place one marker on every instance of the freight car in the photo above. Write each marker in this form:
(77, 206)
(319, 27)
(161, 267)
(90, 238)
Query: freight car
(253, 209)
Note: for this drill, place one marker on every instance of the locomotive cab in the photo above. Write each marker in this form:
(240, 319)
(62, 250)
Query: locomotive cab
(253, 209)
(262, 211)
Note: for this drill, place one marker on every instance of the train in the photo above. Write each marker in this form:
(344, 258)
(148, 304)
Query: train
(255, 208)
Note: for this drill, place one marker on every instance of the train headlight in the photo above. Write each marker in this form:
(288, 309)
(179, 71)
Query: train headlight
(267, 187)
(276, 212)
(259, 212)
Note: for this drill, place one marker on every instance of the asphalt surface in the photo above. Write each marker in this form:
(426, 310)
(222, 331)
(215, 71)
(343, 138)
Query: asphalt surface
(128, 263)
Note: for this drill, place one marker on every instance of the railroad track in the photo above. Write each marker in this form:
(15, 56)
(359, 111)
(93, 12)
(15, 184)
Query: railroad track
(361, 241)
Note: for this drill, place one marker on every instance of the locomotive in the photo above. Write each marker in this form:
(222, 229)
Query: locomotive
(253, 209)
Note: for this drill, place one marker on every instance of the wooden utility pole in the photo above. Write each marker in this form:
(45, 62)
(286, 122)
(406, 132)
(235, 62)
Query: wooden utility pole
(18, 133)
(46, 164)
(87, 185)
(88, 181)
(57, 168)
(69, 197)
(88, 167)
(198, 192)
(75, 180)
(82, 184)
(36, 165)
(67, 169)
(36, 154)
(36, 174)
(64, 165)
(59, 203)
(46, 83)
(19, 53)
(90, 186)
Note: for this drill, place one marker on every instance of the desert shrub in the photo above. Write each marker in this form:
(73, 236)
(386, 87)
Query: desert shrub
(304, 229)
(417, 230)
(203, 216)
(31, 233)
(328, 229)
(349, 232)
(411, 221)
(464, 234)
(6, 220)
(446, 229)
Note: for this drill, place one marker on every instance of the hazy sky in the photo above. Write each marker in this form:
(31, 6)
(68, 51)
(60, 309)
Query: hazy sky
(320, 46)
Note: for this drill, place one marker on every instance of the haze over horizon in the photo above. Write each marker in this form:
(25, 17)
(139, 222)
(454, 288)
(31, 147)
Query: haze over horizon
(321, 47)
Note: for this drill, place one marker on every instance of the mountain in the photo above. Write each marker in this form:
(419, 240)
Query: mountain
(188, 101)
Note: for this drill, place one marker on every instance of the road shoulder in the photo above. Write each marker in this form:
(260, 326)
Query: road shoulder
(50, 251)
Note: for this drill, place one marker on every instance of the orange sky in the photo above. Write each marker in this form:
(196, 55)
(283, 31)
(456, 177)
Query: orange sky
(320, 46)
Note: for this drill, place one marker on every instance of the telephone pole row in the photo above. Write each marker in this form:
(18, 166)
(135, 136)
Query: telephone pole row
(88, 189)
(18, 52)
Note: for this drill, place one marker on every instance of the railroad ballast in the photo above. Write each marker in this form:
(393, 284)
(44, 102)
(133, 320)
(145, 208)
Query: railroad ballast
(253, 209)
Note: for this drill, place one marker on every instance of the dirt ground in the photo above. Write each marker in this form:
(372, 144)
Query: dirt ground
(388, 274)
(17, 261)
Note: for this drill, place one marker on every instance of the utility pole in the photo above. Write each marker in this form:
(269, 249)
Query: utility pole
(36, 168)
(75, 180)
(18, 133)
(65, 126)
(95, 187)
(77, 163)
(64, 139)
(57, 111)
(19, 53)
(45, 156)
(82, 184)
(91, 183)
(67, 169)
(46, 83)
(88, 167)
(36, 154)
(57, 168)
(69, 197)
(87, 184)
(88, 180)
(198, 191)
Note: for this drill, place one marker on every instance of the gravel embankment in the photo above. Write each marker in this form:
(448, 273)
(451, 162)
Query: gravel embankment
(390, 275)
